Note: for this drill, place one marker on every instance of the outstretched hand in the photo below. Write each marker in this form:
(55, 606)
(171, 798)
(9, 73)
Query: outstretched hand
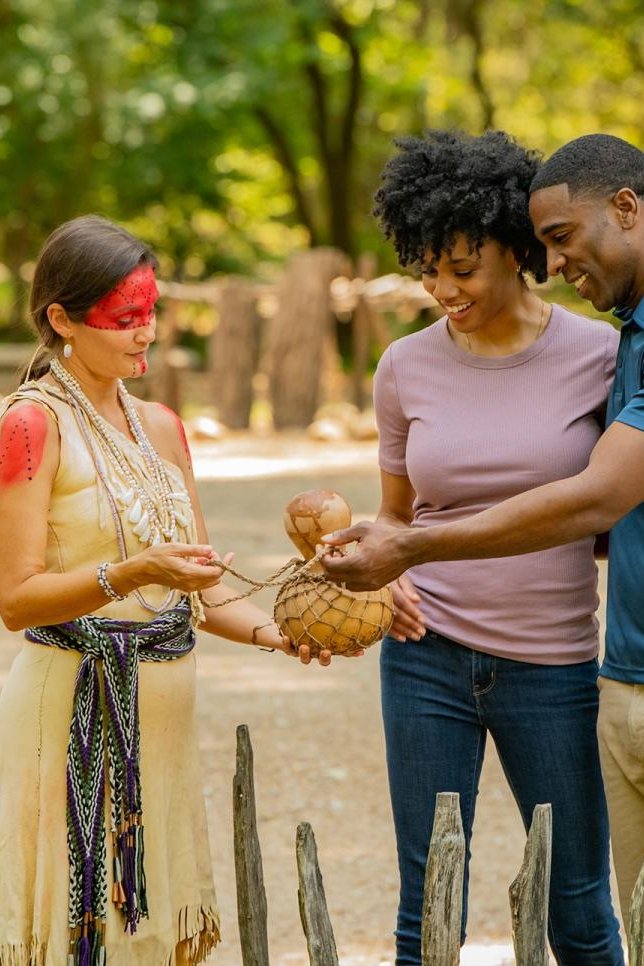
(324, 657)
(379, 558)
(271, 636)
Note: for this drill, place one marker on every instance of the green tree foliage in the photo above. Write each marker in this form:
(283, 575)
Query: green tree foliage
(231, 132)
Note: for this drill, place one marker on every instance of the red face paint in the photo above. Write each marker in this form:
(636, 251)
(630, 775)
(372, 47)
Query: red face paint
(139, 368)
(23, 432)
(129, 305)
(182, 432)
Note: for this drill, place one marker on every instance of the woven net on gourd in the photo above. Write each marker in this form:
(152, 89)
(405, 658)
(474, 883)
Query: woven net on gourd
(311, 610)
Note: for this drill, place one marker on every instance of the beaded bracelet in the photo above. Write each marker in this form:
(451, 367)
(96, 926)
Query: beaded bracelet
(106, 587)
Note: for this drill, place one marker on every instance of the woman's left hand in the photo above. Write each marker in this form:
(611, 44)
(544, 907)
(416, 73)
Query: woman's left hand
(324, 657)
(408, 621)
(271, 636)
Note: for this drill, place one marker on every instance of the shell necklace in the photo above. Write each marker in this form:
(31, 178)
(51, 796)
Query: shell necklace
(155, 520)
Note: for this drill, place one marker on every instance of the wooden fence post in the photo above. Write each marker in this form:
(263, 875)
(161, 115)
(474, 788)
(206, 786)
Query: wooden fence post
(530, 891)
(443, 902)
(636, 923)
(314, 914)
(300, 334)
(361, 335)
(234, 352)
(251, 896)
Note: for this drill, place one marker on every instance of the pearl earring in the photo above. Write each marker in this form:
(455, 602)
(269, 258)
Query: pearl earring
(67, 350)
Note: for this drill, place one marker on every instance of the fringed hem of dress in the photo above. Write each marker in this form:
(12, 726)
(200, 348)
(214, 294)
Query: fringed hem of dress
(197, 935)
(23, 954)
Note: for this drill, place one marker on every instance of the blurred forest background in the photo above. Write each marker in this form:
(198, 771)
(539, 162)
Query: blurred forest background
(235, 136)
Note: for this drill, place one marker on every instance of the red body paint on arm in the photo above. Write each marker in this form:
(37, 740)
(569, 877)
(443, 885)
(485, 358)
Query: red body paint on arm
(182, 432)
(23, 433)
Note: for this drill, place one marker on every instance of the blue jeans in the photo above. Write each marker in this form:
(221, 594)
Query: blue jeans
(439, 700)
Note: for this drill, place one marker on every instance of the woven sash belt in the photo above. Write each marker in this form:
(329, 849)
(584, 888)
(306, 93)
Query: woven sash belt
(111, 651)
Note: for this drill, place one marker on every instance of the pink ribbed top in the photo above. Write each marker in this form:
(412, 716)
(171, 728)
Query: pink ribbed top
(470, 431)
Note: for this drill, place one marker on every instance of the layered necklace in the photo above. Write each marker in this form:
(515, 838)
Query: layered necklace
(154, 520)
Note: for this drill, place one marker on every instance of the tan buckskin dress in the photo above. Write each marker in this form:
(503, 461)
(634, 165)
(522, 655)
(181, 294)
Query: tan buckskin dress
(35, 713)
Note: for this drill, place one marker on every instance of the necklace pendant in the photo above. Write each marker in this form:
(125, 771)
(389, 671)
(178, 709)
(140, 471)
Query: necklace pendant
(136, 512)
(151, 507)
(126, 497)
(183, 519)
(142, 529)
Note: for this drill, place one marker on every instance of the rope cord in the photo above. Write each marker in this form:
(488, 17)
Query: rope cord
(278, 579)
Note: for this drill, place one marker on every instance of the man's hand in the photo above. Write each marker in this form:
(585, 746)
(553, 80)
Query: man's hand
(380, 557)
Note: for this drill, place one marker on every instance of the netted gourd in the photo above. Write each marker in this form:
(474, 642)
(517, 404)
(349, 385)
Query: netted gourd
(311, 609)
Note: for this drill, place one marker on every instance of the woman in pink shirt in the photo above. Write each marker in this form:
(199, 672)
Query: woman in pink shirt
(503, 393)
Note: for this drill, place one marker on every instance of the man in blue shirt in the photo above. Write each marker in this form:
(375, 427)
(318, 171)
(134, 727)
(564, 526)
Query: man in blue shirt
(587, 207)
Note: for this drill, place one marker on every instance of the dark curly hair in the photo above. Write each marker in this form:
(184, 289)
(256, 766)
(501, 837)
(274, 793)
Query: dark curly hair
(81, 261)
(594, 164)
(449, 183)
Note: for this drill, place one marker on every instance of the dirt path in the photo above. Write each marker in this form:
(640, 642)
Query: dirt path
(316, 733)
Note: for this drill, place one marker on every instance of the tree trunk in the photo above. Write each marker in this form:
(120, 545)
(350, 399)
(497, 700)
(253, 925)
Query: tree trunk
(234, 352)
(361, 335)
(299, 332)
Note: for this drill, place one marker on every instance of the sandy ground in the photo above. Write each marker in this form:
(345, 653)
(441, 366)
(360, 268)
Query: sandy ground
(316, 733)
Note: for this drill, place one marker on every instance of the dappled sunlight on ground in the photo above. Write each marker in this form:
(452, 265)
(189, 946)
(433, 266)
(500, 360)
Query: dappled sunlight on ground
(243, 457)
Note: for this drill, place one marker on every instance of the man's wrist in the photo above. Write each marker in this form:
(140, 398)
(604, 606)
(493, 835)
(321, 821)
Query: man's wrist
(415, 546)
(406, 545)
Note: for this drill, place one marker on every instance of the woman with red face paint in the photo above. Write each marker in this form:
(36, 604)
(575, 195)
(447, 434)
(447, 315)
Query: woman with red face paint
(501, 394)
(105, 560)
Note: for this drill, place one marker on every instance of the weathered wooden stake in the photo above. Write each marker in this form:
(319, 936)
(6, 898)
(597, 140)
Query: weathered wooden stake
(301, 334)
(361, 335)
(636, 924)
(443, 902)
(313, 911)
(529, 893)
(234, 352)
(251, 896)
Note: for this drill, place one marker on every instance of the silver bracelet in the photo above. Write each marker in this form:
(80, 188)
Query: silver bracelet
(106, 587)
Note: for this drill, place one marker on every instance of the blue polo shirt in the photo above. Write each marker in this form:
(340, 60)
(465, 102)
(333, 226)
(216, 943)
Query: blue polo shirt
(624, 659)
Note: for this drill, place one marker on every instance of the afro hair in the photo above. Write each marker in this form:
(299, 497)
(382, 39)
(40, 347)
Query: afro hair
(449, 183)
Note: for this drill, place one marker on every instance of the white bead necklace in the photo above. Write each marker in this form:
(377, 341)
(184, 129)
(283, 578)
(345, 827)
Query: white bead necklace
(152, 524)
(155, 520)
